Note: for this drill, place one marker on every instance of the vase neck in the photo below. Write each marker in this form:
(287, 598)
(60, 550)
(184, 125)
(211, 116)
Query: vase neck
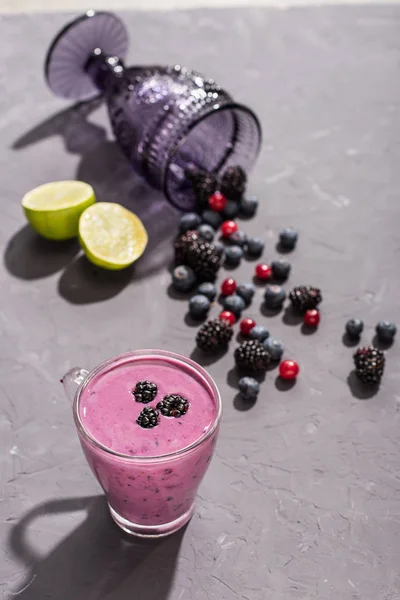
(105, 71)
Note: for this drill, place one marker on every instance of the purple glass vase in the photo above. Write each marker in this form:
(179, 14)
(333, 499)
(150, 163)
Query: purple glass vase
(166, 119)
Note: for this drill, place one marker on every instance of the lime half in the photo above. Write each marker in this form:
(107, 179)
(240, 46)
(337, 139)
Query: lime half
(111, 236)
(53, 209)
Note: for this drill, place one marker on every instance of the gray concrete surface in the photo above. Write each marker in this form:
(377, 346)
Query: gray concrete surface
(302, 499)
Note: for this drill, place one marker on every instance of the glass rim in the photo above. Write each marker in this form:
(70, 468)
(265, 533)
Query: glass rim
(213, 110)
(147, 353)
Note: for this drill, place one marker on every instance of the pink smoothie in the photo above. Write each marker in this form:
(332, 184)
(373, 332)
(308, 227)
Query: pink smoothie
(147, 483)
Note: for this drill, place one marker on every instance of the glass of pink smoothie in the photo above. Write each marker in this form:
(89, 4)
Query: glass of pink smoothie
(150, 476)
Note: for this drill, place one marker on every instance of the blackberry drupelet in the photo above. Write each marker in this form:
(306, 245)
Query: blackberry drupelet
(204, 259)
(304, 297)
(233, 182)
(370, 364)
(204, 184)
(182, 245)
(252, 356)
(145, 391)
(214, 335)
(173, 405)
(148, 418)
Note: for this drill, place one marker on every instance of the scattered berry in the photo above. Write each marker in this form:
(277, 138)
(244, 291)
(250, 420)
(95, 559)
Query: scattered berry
(280, 269)
(288, 238)
(231, 210)
(148, 418)
(183, 278)
(228, 316)
(239, 238)
(246, 291)
(173, 405)
(304, 297)
(145, 391)
(235, 304)
(275, 348)
(207, 232)
(386, 330)
(248, 206)
(249, 388)
(199, 306)
(252, 356)
(255, 247)
(228, 228)
(312, 317)
(214, 335)
(204, 184)
(274, 296)
(228, 287)
(204, 260)
(370, 364)
(217, 202)
(182, 245)
(259, 332)
(246, 325)
(233, 256)
(211, 218)
(233, 182)
(263, 272)
(207, 289)
(189, 221)
(354, 328)
(219, 248)
(288, 369)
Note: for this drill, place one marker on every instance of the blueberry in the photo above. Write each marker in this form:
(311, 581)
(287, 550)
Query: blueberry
(183, 278)
(255, 246)
(288, 238)
(207, 232)
(189, 221)
(246, 291)
(231, 210)
(233, 255)
(280, 269)
(235, 304)
(354, 328)
(274, 296)
(249, 388)
(239, 238)
(219, 247)
(386, 330)
(248, 206)
(199, 306)
(259, 333)
(275, 348)
(212, 218)
(207, 289)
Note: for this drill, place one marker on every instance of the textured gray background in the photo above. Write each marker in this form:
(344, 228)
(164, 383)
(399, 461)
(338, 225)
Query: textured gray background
(302, 499)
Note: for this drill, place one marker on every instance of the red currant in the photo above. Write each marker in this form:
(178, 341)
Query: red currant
(289, 369)
(312, 317)
(246, 325)
(227, 316)
(263, 272)
(228, 227)
(217, 202)
(228, 287)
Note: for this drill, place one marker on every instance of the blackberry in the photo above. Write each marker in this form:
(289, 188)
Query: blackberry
(233, 182)
(204, 259)
(214, 335)
(173, 405)
(182, 245)
(145, 391)
(148, 418)
(252, 356)
(305, 297)
(370, 363)
(204, 184)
